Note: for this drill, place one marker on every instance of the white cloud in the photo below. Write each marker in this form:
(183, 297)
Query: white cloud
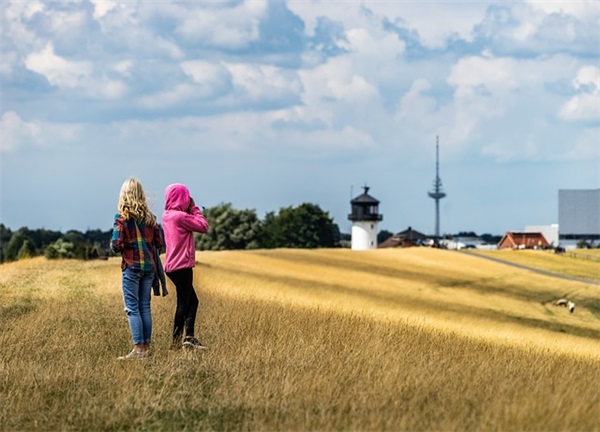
(19, 134)
(585, 105)
(415, 105)
(57, 70)
(71, 21)
(15, 23)
(124, 67)
(262, 82)
(259, 136)
(229, 28)
(170, 98)
(433, 24)
(581, 9)
(484, 89)
(17, 9)
(74, 75)
(212, 75)
(108, 90)
(16, 132)
(205, 77)
(102, 7)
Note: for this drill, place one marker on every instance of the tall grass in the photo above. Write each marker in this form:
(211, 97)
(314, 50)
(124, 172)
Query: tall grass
(303, 340)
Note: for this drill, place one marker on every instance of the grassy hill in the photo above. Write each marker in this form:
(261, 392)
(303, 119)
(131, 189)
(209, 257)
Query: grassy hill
(395, 339)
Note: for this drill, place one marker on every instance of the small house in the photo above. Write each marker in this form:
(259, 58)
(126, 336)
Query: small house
(523, 240)
(408, 237)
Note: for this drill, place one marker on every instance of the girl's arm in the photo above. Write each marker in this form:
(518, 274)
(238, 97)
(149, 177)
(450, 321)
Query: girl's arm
(117, 240)
(195, 221)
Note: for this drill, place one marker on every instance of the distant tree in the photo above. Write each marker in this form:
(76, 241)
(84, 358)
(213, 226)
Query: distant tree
(305, 226)
(98, 236)
(383, 235)
(15, 244)
(27, 250)
(74, 236)
(51, 252)
(59, 249)
(5, 235)
(229, 229)
(41, 237)
(491, 239)
(345, 240)
(466, 234)
(584, 244)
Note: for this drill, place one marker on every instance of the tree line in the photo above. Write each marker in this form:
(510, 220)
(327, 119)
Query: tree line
(304, 226)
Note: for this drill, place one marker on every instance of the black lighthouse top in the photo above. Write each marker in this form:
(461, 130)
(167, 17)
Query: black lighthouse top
(365, 208)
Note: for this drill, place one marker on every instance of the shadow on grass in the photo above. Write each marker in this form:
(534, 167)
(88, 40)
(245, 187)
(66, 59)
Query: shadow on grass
(22, 307)
(393, 299)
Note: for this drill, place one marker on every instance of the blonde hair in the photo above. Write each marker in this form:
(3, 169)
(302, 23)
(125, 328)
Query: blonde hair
(132, 203)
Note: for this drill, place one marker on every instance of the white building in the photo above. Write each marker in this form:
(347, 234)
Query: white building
(365, 218)
(550, 232)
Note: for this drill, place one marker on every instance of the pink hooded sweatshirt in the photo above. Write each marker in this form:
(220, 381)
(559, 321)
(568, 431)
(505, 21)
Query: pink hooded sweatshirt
(179, 227)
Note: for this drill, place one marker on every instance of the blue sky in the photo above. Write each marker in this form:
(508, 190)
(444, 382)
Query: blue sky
(269, 104)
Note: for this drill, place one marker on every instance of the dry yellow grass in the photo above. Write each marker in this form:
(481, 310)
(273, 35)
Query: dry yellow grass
(582, 263)
(416, 339)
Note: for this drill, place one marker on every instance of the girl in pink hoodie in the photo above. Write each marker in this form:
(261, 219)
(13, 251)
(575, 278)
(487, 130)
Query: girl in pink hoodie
(180, 220)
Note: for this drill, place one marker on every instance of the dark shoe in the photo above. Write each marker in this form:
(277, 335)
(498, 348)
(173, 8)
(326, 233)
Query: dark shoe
(192, 343)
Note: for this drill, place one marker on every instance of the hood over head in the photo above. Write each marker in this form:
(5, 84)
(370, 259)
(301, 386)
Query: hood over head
(177, 197)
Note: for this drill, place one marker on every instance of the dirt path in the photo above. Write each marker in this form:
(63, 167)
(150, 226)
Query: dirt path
(521, 266)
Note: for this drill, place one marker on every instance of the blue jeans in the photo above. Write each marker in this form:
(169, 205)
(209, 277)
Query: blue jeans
(137, 287)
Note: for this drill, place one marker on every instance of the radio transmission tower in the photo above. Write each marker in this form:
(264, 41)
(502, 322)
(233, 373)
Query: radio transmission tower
(437, 194)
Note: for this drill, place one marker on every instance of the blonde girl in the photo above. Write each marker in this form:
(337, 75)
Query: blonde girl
(136, 236)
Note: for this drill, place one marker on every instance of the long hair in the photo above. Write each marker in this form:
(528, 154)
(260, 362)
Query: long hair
(132, 203)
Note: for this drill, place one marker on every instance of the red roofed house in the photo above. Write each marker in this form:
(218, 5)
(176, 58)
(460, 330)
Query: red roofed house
(523, 240)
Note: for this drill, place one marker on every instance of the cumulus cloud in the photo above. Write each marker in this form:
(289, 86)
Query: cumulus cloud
(19, 134)
(534, 28)
(336, 81)
(102, 7)
(123, 68)
(214, 24)
(15, 23)
(434, 25)
(585, 105)
(581, 9)
(57, 70)
(16, 132)
(263, 82)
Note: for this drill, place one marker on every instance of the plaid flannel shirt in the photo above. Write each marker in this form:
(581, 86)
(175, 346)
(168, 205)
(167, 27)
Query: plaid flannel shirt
(136, 243)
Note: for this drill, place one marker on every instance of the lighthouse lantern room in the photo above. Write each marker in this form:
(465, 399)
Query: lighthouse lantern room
(365, 217)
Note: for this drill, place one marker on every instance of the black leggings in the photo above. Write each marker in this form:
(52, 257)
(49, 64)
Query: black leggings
(187, 302)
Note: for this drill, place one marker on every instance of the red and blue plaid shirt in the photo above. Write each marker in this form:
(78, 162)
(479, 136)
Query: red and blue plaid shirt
(136, 243)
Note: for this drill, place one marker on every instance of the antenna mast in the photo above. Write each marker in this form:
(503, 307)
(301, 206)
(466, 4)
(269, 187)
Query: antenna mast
(437, 194)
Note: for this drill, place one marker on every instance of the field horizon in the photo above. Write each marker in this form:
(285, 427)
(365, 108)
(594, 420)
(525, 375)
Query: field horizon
(325, 339)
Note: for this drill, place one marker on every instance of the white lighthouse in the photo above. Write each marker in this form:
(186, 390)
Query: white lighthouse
(365, 217)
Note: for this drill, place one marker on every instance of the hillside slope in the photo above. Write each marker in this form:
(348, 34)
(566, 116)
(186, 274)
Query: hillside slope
(415, 340)
(432, 287)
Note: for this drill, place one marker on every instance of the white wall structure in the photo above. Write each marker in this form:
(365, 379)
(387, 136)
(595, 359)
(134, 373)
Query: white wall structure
(550, 232)
(365, 219)
(364, 235)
